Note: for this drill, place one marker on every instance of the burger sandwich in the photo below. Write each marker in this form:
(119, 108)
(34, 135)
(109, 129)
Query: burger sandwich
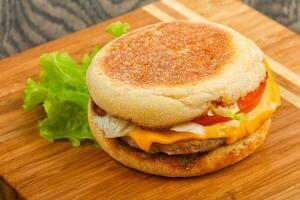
(180, 98)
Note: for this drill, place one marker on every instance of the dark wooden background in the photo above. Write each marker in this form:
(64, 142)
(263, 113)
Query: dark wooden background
(27, 23)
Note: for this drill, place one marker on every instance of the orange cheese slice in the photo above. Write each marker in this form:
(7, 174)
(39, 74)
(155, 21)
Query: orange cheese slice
(231, 131)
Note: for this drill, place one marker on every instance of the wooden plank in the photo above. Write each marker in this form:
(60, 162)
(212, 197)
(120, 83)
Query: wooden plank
(41, 170)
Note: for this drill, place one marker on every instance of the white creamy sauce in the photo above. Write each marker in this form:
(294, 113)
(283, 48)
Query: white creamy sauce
(234, 123)
(113, 127)
(210, 112)
(189, 127)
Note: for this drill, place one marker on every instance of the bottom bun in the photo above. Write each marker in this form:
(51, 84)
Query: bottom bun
(178, 165)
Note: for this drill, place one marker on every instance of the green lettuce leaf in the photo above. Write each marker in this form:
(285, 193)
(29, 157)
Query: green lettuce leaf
(34, 94)
(87, 58)
(65, 119)
(231, 113)
(117, 28)
(62, 90)
(236, 116)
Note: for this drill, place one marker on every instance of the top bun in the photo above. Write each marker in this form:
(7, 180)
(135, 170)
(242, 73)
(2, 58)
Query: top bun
(169, 73)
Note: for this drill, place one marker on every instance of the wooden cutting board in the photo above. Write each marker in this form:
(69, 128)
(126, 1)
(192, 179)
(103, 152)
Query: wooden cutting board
(38, 169)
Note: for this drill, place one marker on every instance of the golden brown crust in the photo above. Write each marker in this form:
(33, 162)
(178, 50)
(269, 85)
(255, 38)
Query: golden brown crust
(168, 54)
(179, 165)
(164, 105)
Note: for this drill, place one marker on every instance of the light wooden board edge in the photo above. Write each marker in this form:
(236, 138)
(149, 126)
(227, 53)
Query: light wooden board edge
(289, 96)
(278, 68)
(157, 13)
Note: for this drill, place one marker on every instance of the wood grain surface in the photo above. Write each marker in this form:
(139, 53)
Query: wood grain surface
(287, 12)
(27, 23)
(38, 169)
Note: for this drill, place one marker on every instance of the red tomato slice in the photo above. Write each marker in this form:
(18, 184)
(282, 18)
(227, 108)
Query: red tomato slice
(206, 120)
(246, 104)
(250, 101)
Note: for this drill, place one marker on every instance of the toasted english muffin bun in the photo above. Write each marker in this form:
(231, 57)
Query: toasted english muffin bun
(169, 73)
(178, 165)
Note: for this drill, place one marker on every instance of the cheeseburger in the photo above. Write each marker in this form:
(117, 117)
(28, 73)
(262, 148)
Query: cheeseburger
(180, 98)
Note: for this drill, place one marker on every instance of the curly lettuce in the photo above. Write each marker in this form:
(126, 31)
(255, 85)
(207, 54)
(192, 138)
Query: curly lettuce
(117, 28)
(62, 90)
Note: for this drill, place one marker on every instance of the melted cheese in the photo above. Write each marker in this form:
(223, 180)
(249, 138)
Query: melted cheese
(232, 130)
